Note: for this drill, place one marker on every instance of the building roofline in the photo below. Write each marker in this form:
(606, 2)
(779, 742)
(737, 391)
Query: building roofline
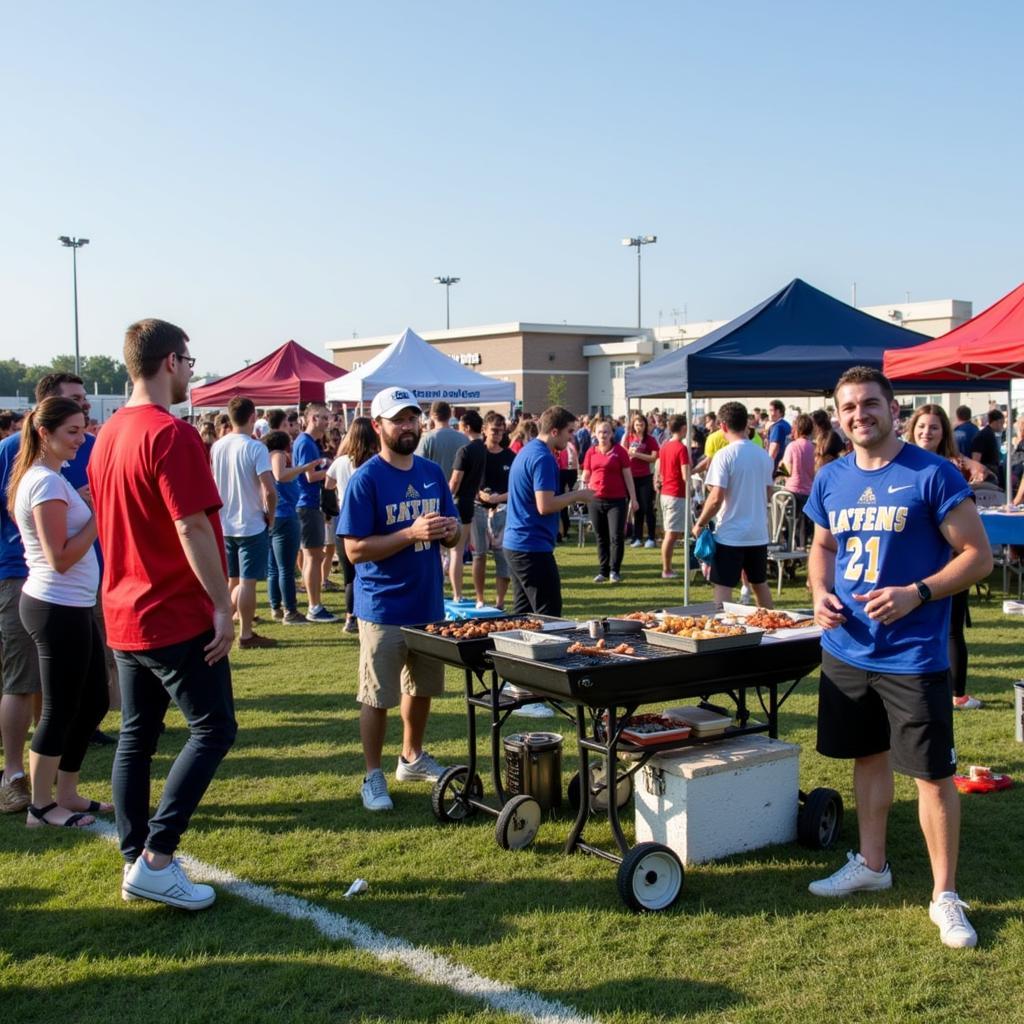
(493, 330)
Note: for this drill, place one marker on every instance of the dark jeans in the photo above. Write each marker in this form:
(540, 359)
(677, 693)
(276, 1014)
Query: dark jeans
(284, 549)
(608, 517)
(958, 618)
(536, 585)
(566, 481)
(150, 680)
(645, 507)
(73, 677)
(349, 574)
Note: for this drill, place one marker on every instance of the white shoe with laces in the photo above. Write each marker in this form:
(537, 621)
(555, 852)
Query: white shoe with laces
(423, 769)
(954, 928)
(168, 885)
(375, 792)
(966, 703)
(853, 876)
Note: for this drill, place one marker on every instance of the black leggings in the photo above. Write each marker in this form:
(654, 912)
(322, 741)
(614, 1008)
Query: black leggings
(73, 675)
(645, 507)
(958, 643)
(349, 575)
(608, 517)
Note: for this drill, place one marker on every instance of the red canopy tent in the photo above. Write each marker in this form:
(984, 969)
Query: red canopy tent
(288, 376)
(988, 347)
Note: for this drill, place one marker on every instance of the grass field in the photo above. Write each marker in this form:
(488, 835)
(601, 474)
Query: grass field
(746, 941)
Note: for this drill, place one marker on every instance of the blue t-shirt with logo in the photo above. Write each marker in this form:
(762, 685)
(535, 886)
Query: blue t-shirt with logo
(405, 589)
(534, 469)
(886, 523)
(305, 449)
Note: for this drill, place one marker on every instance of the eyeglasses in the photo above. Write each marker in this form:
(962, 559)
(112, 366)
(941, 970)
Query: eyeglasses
(191, 360)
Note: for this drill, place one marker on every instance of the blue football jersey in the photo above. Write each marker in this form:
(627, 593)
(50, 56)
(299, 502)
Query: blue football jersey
(886, 523)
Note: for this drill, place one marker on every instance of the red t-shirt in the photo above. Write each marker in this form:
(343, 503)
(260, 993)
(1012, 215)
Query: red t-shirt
(671, 459)
(648, 446)
(605, 471)
(147, 470)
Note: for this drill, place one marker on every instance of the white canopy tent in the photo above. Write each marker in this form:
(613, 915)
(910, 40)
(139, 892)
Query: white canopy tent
(412, 363)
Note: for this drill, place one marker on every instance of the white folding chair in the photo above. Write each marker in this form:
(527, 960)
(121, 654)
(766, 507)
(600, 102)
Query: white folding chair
(783, 549)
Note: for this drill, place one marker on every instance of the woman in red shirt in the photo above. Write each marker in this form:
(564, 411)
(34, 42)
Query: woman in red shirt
(643, 453)
(606, 471)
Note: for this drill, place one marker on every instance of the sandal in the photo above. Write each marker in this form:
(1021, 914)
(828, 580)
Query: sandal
(75, 821)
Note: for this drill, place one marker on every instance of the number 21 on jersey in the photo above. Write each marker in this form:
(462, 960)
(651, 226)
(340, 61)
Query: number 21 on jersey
(863, 563)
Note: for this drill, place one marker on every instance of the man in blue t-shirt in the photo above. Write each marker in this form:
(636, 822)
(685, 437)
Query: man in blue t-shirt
(397, 509)
(779, 430)
(312, 527)
(531, 525)
(888, 521)
(965, 431)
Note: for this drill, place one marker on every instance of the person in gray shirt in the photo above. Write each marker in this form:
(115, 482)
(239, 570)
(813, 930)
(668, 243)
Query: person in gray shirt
(441, 443)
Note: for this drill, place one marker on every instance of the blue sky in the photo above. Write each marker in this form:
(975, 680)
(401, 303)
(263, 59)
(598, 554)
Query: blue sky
(257, 174)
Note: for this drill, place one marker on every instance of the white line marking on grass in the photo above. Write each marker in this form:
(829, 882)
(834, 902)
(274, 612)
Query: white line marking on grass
(435, 969)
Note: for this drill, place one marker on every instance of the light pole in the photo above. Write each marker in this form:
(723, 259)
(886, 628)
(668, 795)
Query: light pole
(74, 244)
(447, 282)
(639, 241)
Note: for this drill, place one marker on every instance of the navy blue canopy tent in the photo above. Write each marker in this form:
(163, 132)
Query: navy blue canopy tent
(798, 341)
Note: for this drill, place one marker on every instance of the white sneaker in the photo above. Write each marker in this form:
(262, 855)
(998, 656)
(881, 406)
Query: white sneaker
(853, 876)
(423, 769)
(648, 543)
(375, 792)
(966, 703)
(168, 885)
(125, 894)
(954, 928)
(615, 578)
(670, 575)
(636, 544)
(600, 578)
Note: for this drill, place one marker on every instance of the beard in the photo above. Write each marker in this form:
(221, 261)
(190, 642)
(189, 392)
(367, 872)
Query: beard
(404, 444)
(179, 392)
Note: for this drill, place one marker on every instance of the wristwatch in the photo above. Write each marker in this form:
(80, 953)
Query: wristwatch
(923, 591)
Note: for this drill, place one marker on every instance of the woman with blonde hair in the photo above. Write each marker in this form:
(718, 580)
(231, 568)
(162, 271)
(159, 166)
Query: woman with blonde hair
(57, 601)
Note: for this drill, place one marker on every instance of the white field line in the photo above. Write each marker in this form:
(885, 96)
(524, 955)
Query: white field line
(420, 961)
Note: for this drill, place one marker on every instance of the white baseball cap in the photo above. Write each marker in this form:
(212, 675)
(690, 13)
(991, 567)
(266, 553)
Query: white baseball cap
(391, 401)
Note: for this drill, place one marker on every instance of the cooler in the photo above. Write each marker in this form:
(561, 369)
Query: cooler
(716, 799)
(467, 609)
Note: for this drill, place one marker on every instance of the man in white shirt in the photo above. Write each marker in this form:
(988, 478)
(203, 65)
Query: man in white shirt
(738, 483)
(245, 479)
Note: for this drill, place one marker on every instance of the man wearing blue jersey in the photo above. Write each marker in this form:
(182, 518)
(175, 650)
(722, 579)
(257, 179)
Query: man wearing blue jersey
(397, 509)
(895, 536)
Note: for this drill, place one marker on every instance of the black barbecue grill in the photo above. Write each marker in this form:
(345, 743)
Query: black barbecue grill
(597, 692)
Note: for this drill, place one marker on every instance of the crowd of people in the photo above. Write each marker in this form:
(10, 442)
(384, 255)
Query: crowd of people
(129, 556)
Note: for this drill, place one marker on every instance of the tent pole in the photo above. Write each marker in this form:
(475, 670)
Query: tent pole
(686, 510)
(1008, 423)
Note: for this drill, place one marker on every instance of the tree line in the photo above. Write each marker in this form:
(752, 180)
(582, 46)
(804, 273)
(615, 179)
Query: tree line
(99, 373)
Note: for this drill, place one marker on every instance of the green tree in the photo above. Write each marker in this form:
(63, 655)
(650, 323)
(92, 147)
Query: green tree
(12, 371)
(557, 387)
(30, 378)
(63, 364)
(104, 374)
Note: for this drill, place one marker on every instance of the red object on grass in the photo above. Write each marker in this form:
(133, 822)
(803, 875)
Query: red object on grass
(996, 782)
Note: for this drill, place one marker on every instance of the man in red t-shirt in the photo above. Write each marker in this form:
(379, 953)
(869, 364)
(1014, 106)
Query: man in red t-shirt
(673, 469)
(167, 608)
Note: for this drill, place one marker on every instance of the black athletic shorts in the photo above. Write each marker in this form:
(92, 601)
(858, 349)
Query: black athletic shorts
(861, 713)
(728, 562)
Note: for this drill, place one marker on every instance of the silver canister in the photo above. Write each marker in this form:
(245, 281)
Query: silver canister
(1018, 709)
(595, 627)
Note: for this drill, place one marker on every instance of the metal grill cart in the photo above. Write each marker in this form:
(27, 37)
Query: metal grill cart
(598, 693)
(459, 793)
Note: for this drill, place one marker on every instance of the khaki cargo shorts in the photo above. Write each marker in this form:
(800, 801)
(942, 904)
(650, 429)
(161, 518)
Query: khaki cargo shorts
(19, 651)
(387, 668)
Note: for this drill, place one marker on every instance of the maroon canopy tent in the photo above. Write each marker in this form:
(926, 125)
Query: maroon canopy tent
(288, 376)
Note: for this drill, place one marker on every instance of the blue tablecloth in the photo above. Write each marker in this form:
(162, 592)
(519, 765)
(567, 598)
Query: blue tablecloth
(1003, 528)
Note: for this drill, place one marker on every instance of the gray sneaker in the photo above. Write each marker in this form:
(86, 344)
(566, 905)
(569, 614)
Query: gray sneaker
(168, 885)
(423, 769)
(853, 876)
(375, 792)
(14, 795)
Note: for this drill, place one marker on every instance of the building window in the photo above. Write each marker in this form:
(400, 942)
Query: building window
(618, 368)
